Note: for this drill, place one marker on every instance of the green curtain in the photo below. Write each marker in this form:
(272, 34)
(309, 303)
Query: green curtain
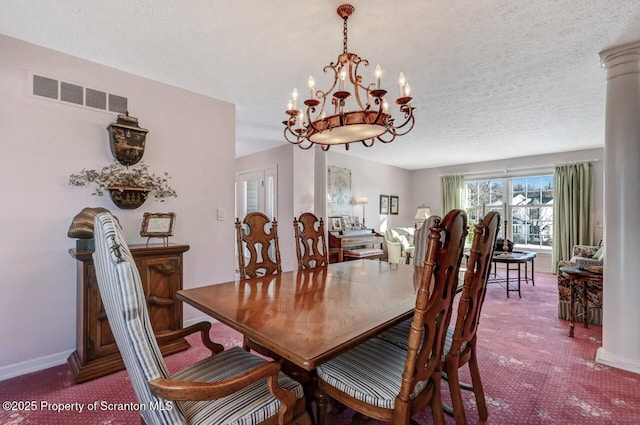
(452, 193)
(573, 201)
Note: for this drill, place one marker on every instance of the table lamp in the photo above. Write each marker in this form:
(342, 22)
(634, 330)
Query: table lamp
(422, 214)
(363, 201)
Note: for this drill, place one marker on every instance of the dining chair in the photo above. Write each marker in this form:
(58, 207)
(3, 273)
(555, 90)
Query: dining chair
(311, 245)
(461, 342)
(385, 382)
(230, 386)
(257, 236)
(461, 339)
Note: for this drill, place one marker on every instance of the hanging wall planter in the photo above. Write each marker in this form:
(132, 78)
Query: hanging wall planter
(128, 187)
(128, 198)
(127, 139)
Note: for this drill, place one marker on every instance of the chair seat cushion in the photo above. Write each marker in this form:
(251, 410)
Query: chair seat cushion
(249, 406)
(399, 336)
(370, 372)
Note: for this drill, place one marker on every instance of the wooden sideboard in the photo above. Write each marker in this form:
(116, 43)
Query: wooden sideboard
(161, 274)
(338, 243)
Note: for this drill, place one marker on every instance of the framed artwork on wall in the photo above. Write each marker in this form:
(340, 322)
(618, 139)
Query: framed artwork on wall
(393, 205)
(384, 204)
(339, 191)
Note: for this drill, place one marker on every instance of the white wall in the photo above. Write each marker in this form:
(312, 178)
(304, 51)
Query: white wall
(191, 136)
(372, 179)
(303, 181)
(283, 157)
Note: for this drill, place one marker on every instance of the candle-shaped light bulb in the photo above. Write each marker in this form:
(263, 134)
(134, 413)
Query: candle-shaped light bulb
(385, 106)
(407, 89)
(343, 77)
(290, 105)
(378, 75)
(312, 86)
(402, 80)
(294, 96)
(300, 121)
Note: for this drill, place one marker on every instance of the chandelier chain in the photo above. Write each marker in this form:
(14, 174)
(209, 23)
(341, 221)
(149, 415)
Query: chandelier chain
(344, 32)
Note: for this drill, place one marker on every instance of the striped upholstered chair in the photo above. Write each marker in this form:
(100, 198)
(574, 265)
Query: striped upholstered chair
(386, 382)
(227, 388)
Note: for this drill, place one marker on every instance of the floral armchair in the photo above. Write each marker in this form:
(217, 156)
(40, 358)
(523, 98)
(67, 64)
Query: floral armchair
(583, 256)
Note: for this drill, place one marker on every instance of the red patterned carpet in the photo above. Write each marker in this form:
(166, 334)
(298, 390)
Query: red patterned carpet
(533, 373)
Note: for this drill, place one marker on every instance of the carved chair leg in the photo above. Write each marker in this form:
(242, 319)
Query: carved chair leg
(456, 395)
(321, 407)
(478, 391)
(436, 403)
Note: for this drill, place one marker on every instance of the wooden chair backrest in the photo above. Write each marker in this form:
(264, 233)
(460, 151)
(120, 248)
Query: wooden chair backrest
(421, 239)
(475, 281)
(311, 245)
(257, 234)
(433, 303)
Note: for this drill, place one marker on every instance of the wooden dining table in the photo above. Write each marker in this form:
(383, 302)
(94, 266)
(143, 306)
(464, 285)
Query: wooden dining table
(310, 316)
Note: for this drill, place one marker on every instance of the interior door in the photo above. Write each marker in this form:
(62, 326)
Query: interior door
(256, 191)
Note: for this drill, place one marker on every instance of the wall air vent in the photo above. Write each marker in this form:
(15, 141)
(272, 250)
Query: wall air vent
(76, 94)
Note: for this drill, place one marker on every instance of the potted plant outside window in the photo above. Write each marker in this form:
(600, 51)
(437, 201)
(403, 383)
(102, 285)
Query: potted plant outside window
(127, 187)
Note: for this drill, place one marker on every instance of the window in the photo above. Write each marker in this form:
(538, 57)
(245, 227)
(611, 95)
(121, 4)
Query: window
(529, 211)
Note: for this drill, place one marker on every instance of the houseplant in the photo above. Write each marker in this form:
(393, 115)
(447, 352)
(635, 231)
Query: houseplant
(128, 187)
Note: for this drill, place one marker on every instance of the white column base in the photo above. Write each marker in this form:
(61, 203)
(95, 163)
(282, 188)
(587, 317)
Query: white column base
(606, 358)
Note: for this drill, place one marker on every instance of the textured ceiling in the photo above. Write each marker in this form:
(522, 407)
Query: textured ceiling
(491, 79)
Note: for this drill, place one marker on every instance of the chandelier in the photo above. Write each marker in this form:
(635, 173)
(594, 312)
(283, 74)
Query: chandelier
(370, 121)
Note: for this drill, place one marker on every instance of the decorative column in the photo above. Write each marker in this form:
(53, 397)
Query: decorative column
(320, 184)
(621, 291)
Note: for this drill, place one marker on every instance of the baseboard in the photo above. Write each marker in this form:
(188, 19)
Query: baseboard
(606, 358)
(34, 365)
(45, 362)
